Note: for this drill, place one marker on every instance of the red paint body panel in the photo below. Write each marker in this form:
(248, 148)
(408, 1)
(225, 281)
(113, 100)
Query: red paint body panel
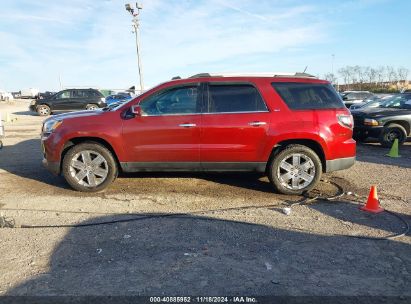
(230, 138)
(215, 138)
(160, 138)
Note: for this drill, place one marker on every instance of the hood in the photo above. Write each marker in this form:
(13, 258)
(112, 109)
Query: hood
(84, 113)
(379, 112)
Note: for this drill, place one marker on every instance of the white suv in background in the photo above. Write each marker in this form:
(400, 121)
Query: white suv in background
(29, 93)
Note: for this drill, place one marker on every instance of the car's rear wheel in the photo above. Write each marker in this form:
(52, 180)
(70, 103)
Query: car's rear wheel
(43, 110)
(392, 132)
(91, 107)
(89, 167)
(295, 169)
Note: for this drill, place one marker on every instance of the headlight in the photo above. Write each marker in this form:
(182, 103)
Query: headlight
(50, 125)
(370, 122)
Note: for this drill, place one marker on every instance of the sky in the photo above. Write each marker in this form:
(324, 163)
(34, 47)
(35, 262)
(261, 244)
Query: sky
(89, 43)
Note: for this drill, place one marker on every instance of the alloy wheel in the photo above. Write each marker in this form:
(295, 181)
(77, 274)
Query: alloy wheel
(44, 110)
(296, 171)
(89, 168)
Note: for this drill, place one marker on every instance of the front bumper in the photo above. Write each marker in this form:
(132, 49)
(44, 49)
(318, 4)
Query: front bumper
(339, 164)
(371, 131)
(53, 167)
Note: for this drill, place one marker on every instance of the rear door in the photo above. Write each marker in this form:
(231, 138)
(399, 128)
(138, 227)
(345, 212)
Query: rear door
(79, 100)
(234, 127)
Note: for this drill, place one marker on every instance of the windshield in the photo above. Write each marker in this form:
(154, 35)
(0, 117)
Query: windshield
(115, 105)
(399, 102)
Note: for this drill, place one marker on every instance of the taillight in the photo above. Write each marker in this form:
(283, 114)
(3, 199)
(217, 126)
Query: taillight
(346, 120)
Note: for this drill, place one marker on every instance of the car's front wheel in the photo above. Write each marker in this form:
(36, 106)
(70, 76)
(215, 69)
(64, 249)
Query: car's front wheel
(43, 110)
(295, 169)
(89, 167)
(392, 132)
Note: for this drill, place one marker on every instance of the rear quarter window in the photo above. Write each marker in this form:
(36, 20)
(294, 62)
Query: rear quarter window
(308, 96)
(93, 93)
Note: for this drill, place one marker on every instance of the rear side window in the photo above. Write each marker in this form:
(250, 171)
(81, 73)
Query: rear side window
(231, 98)
(79, 94)
(307, 96)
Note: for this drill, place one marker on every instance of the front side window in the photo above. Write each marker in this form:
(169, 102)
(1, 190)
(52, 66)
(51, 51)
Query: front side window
(181, 100)
(63, 95)
(231, 98)
(308, 96)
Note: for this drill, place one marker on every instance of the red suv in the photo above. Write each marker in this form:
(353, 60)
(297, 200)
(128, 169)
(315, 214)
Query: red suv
(291, 127)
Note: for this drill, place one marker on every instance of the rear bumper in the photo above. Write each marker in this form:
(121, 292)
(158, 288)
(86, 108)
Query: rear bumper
(339, 164)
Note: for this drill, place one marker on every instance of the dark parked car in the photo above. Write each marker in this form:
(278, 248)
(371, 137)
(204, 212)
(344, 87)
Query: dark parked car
(69, 100)
(353, 97)
(45, 95)
(372, 102)
(290, 127)
(119, 97)
(390, 121)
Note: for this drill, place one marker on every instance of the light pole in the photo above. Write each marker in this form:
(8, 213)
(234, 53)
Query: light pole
(136, 23)
(332, 63)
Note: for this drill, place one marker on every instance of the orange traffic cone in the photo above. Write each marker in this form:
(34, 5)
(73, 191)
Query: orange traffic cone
(373, 203)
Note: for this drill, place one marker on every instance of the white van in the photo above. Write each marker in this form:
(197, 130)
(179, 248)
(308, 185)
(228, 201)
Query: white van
(5, 95)
(29, 93)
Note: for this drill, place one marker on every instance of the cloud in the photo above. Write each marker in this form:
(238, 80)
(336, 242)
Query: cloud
(214, 31)
(90, 42)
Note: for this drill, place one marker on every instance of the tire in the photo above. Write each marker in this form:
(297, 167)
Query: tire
(91, 107)
(43, 110)
(78, 169)
(281, 165)
(390, 133)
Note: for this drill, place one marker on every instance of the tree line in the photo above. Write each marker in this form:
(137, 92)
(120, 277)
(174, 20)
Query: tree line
(382, 78)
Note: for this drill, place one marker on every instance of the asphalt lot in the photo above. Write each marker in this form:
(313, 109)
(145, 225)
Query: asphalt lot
(236, 240)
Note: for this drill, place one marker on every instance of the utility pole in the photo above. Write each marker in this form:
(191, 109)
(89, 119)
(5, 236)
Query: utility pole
(135, 12)
(61, 83)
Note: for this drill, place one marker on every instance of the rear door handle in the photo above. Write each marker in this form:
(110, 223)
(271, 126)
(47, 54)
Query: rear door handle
(187, 125)
(257, 123)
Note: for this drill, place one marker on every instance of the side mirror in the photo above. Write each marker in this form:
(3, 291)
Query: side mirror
(136, 110)
(345, 98)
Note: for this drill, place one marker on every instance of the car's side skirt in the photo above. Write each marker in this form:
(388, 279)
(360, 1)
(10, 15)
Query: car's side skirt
(193, 166)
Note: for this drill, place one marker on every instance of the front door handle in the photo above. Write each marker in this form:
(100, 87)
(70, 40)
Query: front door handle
(257, 123)
(187, 125)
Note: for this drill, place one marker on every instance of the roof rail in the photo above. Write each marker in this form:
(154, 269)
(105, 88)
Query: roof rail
(271, 74)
